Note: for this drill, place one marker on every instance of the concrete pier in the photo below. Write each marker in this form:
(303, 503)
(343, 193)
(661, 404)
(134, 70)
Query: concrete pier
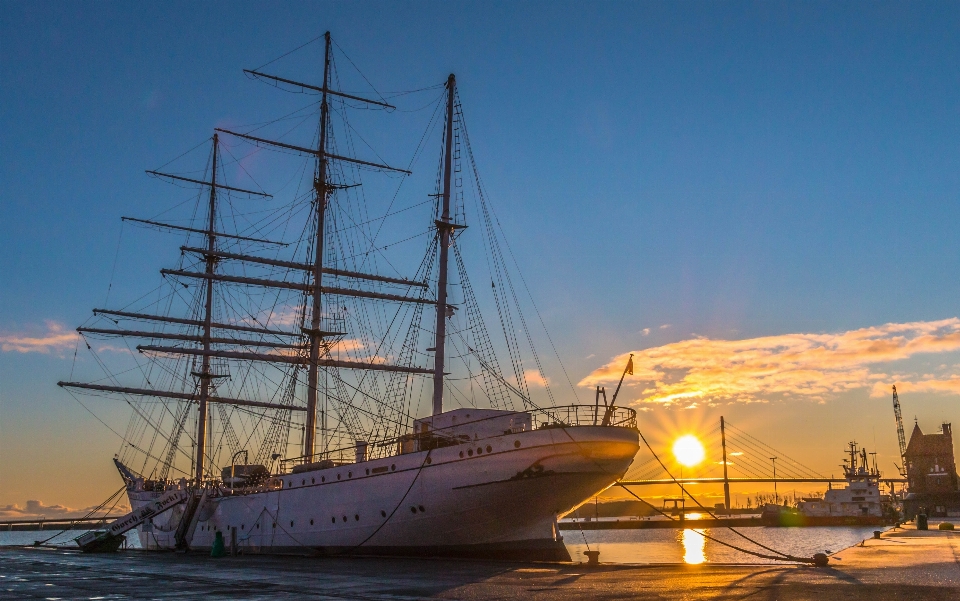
(902, 564)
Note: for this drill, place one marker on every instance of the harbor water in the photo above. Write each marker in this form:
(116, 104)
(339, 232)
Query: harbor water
(664, 545)
(65, 539)
(629, 546)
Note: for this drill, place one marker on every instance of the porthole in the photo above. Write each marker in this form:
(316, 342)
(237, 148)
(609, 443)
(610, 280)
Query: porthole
(338, 476)
(516, 444)
(479, 451)
(420, 507)
(274, 524)
(258, 526)
(393, 467)
(383, 513)
(243, 527)
(312, 481)
(344, 518)
(489, 448)
(290, 483)
(429, 461)
(368, 471)
(356, 517)
(461, 454)
(333, 520)
(291, 523)
(413, 509)
(303, 482)
(323, 478)
(349, 474)
(470, 452)
(311, 522)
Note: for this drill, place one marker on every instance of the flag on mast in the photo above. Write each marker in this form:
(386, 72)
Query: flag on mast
(629, 369)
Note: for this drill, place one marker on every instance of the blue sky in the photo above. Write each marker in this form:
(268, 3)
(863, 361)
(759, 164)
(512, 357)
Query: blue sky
(734, 170)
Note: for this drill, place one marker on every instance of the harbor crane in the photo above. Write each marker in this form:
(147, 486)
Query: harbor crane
(900, 436)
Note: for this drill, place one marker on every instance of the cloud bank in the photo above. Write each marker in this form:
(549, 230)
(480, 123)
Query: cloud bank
(811, 366)
(36, 509)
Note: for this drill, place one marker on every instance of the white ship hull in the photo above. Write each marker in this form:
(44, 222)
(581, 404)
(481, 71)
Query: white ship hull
(497, 497)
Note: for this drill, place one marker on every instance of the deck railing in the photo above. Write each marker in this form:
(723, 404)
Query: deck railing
(550, 417)
(583, 415)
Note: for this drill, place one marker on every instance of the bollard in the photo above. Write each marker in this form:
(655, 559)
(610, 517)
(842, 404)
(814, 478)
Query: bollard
(922, 521)
(876, 534)
(217, 550)
(820, 560)
(593, 558)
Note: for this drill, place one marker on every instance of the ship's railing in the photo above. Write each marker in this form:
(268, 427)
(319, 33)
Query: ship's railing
(364, 451)
(551, 417)
(583, 415)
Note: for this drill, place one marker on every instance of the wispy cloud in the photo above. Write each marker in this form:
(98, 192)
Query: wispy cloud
(54, 338)
(812, 366)
(284, 315)
(645, 332)
(534, 379)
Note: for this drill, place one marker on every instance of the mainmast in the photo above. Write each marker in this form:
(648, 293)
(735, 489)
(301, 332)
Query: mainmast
(320, 186)
(205, 376)
(445, 229)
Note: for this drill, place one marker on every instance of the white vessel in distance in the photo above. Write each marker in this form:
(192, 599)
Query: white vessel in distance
(487, 479)
(859, 498)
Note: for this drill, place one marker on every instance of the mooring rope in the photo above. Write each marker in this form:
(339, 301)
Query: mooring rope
(781, 556)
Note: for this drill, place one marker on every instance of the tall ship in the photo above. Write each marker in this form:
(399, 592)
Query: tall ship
(316, 374)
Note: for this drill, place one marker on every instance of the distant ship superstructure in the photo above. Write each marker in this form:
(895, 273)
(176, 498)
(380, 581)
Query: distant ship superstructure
(860, 497)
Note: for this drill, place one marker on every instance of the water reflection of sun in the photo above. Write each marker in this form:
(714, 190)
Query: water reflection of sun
(694, 545)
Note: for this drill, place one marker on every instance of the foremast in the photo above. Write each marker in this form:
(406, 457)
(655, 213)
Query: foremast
(445, 228)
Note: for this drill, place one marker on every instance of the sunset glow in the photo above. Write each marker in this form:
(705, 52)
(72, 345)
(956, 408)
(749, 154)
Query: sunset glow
(811, 366)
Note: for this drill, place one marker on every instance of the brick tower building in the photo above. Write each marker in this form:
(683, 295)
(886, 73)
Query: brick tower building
(932, 479)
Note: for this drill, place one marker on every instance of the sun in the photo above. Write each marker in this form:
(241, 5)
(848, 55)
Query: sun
(688, 450)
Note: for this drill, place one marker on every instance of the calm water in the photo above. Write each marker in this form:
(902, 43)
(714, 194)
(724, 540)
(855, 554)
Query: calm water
(630, 546)
(689, 546)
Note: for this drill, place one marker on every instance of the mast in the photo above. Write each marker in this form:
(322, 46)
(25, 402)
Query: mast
(205, 375)
(320, 185)
(445, 229)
